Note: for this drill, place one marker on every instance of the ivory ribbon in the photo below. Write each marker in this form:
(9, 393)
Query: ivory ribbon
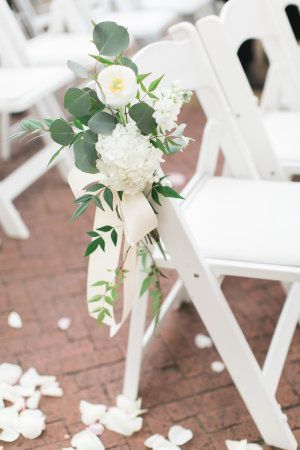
(138, 219)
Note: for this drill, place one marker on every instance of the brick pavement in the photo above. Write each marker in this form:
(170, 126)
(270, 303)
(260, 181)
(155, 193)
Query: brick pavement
(44, 278)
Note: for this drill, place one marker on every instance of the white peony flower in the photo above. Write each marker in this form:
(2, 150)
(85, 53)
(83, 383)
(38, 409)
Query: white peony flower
(31, 423)
(168, 105)
(128, 160)
(86, 440)
(91, 413)
(118, 86)
(10, 373)
(118, 421)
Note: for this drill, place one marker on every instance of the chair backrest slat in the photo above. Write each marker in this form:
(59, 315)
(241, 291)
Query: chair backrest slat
(185, 59)
(239, 95)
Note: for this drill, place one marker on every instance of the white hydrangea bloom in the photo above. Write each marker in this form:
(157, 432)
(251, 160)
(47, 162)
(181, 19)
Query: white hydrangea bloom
(127, 159)
(168, 105)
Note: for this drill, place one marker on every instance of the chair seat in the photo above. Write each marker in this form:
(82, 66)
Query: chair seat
(247, 220)
(53, 49)
(283, 128)
(143, 24)
(20, 88)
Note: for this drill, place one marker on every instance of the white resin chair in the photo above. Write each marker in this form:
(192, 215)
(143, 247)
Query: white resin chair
(229, 220)
(220, 229)
(45, 49)
(21, 89)
(269, 127)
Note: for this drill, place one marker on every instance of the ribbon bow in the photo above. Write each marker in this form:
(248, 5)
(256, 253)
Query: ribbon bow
(138, 219)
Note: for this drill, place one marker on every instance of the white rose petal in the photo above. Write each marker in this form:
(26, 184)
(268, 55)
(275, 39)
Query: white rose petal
(217, 366)
(34, 400)
(14, 320)
(52, 390)
(179, 435)
(202, 341)
(32, 378)
(96, 428)
(24, 391)
(154, 441)
(236, 445)
(129, 406)
(86, 440)
(8, 392)
(31, 423)
(9, 435)
(120, 422)
(9, 424)
(64, 323)
(68, 448)
(118, 84)
(20, 404)
(91, 413)
(10, 373)
(167, 446)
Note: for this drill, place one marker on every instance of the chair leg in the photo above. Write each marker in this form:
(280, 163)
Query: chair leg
(4, 144)
(135, 342)
(11, 220)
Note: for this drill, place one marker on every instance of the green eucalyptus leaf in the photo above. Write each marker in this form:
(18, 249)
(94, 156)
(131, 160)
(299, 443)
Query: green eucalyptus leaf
(82, 161)
(77, 102)
(61, 132)
(102, 123)
(32, 124)
(102, 60)
(55, 155)
(142, 114)
(155, 84)
(110, 38)
(79, 70)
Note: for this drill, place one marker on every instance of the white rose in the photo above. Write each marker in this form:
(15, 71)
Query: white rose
(118, 85)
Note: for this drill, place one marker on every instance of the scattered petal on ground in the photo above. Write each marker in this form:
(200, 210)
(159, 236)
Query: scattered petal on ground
(32, 423)
(217, 366)
(202, 341)
(20, 404)
(91, 413)
(32, 378)
(34, 400)
(64, 323)
(52, 390)
(8, 392)
(14, 320)
(117, 420)
(9, 424)
(157, 440)
(96, 428)
(10, 373)
(179, 435)
(86, 440)
(24, 391)
(129, 406)
(242, 445)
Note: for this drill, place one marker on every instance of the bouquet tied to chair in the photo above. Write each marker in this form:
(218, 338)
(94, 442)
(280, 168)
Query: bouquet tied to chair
(120, 130)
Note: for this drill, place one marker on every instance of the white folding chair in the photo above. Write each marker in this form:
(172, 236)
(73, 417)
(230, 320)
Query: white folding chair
(141, 24)
(268, 129)
(229, 219)
(21, 89)
(46, 49)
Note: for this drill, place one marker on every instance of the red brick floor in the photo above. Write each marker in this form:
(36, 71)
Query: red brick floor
(43, 279)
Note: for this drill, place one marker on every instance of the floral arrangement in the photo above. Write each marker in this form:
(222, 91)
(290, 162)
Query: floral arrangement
(121, 128)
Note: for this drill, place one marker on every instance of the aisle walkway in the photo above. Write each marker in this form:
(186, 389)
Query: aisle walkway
(178, 384)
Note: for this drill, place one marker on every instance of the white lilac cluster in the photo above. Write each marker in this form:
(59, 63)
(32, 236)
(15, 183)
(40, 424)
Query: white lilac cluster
(168, 105)
(127, 159)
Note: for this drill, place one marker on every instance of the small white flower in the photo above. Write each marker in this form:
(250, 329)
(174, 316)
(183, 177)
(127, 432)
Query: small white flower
(127, 159)
(202, 341)
(86, 440)
(118, 86)
(118, 421)
(91, 413)
(31, 423)
(217, 366)
(179, 435)
(64, 323)
(10, 373)
(52, 390)
(14, 320)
